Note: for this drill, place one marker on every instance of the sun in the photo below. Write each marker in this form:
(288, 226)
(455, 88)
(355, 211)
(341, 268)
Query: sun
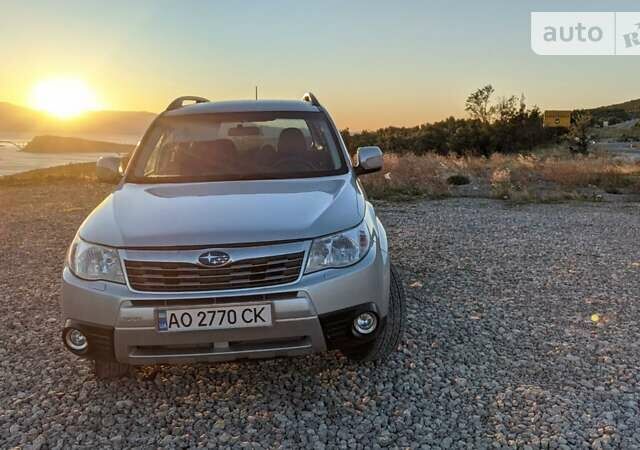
(63, 97)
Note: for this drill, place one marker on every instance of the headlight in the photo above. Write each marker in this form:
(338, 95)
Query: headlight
(340, 249)
(95, 262)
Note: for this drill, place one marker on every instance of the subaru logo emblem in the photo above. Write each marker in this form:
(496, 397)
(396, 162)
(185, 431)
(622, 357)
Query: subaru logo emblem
(214, 258)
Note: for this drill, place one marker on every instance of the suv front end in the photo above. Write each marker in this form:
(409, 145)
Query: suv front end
(148, 297)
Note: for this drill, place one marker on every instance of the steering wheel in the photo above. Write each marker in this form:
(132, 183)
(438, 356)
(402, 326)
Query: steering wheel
(293, 161)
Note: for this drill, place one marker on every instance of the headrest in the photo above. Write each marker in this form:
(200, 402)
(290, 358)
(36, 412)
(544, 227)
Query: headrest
(291, 140)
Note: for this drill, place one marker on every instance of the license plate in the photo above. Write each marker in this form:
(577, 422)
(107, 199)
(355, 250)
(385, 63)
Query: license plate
(214, 318)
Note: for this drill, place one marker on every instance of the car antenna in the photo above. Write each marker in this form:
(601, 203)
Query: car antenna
(256, 92)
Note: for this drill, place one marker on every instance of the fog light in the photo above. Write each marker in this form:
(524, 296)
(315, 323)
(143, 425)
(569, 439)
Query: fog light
(365, 323)
(76, 340)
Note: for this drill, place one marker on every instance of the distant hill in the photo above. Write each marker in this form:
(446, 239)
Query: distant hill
(631, 107)
(57, 144)
(18, 119)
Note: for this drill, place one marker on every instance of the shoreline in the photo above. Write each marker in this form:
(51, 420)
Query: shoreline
(44, 152)
(14, 162)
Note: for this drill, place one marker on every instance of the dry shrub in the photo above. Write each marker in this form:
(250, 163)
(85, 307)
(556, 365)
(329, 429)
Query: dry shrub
(553, 173)
(501, 183)
(599, 170)
(408, 175)
(594, 171)
(458, 180)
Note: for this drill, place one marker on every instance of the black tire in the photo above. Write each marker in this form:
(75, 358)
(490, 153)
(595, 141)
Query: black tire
(109, 370)
(389, 338)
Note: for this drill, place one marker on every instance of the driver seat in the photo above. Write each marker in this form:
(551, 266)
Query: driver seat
(205, 157)
(291, 143)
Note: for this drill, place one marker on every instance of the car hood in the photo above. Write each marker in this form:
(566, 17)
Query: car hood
(219, 213)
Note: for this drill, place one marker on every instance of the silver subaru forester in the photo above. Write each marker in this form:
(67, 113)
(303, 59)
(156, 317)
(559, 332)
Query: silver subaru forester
(237, 230)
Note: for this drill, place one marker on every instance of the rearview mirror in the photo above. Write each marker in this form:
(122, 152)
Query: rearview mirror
(244, 131)
(108, 169)
(369, 159)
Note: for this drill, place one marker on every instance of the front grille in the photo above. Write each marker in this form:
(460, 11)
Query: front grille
(158, 303)
(154, 276)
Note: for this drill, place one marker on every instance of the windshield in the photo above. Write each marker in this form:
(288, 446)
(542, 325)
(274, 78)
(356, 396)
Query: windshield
(238, 146)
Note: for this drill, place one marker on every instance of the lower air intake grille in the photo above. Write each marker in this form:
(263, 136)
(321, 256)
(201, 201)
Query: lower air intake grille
(152, 276)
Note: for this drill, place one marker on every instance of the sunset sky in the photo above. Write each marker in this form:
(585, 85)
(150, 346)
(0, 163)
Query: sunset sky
(372, 63)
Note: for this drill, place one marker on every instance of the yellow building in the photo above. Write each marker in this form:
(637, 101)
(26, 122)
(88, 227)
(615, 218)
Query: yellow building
(557, 119)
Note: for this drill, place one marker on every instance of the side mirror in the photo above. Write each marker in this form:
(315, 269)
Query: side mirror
(108, 169)
(369, 159)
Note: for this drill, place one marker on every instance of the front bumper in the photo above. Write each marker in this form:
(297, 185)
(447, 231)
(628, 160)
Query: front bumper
(127, 319)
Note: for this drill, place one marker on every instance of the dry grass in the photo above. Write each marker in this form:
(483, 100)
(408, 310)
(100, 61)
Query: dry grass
(549, 175)
(409, 176)
(70, 172)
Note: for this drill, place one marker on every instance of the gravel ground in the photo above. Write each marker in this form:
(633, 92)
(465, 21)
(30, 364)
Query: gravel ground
(522, 332)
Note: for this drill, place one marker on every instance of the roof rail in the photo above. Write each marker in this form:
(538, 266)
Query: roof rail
(179, 102)
(309, 97)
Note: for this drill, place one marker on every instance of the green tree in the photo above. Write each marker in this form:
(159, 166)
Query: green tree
(478, 104)
(579, 138)
(506, 126)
